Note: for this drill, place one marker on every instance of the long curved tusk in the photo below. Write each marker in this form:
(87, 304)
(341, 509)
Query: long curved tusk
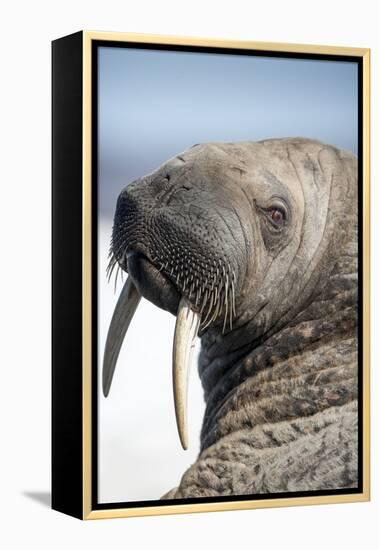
(186, 329)
(122, 315)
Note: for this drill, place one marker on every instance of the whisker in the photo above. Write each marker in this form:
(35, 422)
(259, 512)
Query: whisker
(226, 304)
(204, 302)
(208, 312)
(109, 273)
(116, 277)
(233, 298)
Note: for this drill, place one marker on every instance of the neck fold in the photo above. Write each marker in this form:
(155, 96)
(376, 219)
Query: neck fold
(235, 369)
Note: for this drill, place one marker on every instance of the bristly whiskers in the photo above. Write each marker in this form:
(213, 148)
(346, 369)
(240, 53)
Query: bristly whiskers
(113, 264)
(209, 285)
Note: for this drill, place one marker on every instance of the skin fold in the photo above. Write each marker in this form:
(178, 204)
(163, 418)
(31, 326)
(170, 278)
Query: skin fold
(260, 238)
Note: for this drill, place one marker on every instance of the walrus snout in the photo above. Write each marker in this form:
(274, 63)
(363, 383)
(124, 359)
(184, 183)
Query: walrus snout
(129, 225)
(184, 240)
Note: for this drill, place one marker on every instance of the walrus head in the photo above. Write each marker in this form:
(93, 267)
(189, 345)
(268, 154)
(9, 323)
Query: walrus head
(232, 239)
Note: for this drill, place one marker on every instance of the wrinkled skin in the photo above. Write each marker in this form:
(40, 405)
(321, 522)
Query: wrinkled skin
(262, 240)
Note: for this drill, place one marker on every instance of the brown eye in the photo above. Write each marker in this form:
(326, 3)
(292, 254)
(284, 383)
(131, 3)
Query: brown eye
(277, 216)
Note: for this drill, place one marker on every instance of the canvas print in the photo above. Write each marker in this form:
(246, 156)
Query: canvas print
(227, 275)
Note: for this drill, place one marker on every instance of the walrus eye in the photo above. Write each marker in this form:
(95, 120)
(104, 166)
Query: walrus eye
(277, 216)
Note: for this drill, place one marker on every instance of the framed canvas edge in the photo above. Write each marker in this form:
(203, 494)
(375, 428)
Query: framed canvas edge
(88, 512)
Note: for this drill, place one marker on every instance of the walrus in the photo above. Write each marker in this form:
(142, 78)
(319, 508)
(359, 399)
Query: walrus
(253, 246)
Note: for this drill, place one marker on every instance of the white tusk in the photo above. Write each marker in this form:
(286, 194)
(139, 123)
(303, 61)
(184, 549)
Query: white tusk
(122, 315)
(186, 329)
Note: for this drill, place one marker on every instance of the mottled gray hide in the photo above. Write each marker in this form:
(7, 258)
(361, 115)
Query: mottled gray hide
(261, 238)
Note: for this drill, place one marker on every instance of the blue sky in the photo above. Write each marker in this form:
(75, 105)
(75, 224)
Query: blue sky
(154, 104)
